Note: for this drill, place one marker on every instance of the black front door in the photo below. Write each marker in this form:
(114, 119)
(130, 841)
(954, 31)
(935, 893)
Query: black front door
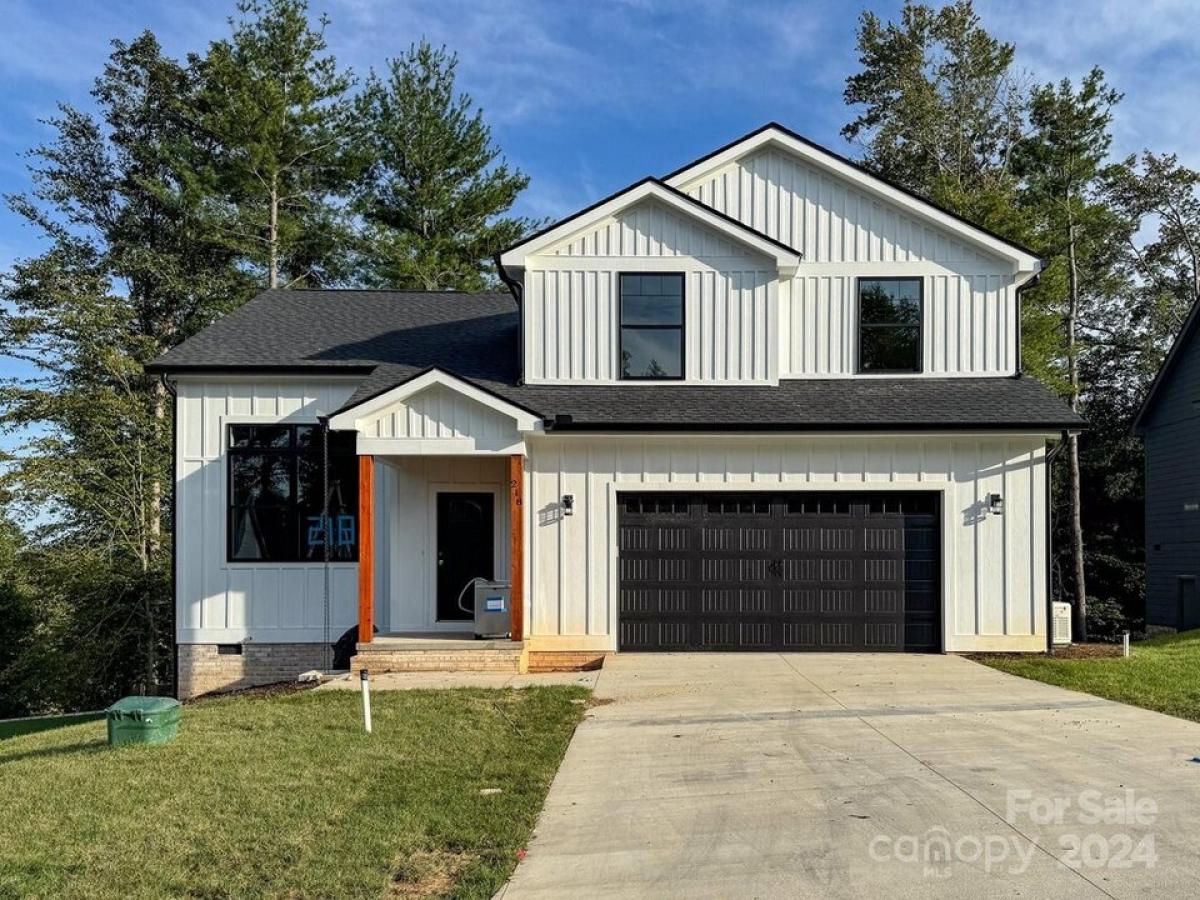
(465, 548)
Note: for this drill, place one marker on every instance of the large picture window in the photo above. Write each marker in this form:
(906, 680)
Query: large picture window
(275, 494)
(889, 324)
(651, 326)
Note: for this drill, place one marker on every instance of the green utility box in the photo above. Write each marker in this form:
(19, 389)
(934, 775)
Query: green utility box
(143, 720)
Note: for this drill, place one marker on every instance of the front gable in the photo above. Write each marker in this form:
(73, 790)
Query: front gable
(826, 217)
(651, 228)
(635, 222)
(436, 413)
(833, 210)
(1175, 391)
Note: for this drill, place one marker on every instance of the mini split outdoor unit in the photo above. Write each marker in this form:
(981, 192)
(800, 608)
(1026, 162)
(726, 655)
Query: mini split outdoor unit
(1060, 624)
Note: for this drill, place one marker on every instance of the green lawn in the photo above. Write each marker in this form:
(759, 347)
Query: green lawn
(286, 796)
(1162, 674)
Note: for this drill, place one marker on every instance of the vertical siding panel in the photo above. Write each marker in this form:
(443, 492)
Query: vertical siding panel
(964, 458)
(1018, 559)
(766, 340)
(720, 316)
(991, 534)
(190, 565)
(692, 304)
(977, 324)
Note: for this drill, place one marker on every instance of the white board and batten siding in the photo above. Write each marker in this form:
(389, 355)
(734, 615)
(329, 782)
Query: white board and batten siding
(844, 234)
(572, 309)
(746, 323)
(218, 601)
(438, 420)
(993, 567)
(410, 545)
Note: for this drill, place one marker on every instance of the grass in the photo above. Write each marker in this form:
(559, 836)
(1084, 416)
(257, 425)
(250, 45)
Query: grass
(14, 727)
(1162, 674)
(286, 796)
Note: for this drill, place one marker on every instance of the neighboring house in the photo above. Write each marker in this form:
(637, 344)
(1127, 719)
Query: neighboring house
(767, 402)
(1169, 424)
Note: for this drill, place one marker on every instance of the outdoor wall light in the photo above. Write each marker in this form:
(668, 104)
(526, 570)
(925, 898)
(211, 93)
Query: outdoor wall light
(996, 504)
(568, 504)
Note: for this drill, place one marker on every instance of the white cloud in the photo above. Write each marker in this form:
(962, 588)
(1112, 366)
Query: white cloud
(1149, 50)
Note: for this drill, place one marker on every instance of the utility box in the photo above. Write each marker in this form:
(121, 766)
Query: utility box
(1060, 623)
(143, 720)
(493, 609)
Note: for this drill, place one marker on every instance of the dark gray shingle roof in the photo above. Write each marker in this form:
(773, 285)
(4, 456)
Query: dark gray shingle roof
(390, 336)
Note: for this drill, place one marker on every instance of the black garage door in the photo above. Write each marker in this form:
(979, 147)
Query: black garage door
(787, 571)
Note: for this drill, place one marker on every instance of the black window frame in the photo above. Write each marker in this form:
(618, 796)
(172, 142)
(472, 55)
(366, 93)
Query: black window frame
(920, 326)
(295, 452)
(681, 327)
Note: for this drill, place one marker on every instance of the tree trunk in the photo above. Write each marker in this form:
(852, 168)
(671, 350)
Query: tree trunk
(156, 488)
(1079, 609)
(273, 235)
(151, 633)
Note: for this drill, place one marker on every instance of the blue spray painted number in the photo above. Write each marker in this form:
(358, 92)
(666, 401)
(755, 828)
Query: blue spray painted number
(343, 531)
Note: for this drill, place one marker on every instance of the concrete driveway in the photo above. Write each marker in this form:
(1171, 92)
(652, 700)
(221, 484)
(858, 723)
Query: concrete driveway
(765, 775)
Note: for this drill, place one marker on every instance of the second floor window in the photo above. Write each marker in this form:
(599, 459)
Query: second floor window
(651, 326)
(889, 325)
(276, 494)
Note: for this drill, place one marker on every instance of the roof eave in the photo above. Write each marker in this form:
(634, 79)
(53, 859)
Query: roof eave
(861, 427)
(168, 368)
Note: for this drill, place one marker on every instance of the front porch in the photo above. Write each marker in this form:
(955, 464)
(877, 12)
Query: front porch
(441, 486)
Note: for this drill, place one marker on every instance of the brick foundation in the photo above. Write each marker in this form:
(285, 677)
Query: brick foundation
(565, 660)
(203, 670)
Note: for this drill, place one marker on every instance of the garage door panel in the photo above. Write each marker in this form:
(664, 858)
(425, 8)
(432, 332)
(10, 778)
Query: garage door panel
(800, 571)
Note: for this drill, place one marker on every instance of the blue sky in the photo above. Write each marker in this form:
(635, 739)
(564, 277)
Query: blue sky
(587, 96)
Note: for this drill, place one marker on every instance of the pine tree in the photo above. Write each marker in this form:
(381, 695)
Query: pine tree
(283, 144)
(435, 200)
(941, 109)
(1062, 165)
(129, 272)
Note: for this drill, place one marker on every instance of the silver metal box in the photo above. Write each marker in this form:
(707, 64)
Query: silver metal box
(493, 609)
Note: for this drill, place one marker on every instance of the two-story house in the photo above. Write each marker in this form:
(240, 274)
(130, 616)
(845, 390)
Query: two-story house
(766, 402)
(1169, 425)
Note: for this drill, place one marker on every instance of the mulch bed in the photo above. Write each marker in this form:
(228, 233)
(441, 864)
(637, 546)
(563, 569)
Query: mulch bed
(278, 689)
(1074, 651)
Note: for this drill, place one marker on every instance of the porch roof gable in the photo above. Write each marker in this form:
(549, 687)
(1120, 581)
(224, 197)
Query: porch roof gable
(435, 411)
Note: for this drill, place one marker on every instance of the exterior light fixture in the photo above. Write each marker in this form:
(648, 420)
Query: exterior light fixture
(996, 504)
(568, 504)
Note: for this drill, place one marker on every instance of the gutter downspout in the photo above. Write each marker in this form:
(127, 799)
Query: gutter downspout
(170, 389)
(1050, 541)
(518, 293)
(1031, 283)
(327, 528)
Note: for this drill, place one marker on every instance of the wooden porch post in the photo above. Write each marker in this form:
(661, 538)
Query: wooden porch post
(516, 527)
(366, 548)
